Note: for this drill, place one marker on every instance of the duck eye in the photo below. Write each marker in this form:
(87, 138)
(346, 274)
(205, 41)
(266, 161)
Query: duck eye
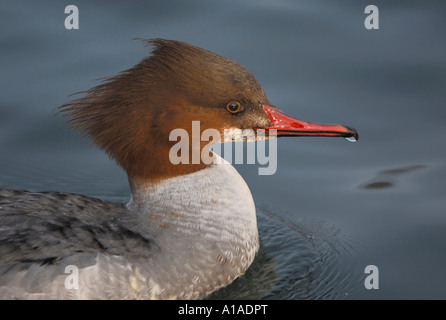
(234, 107)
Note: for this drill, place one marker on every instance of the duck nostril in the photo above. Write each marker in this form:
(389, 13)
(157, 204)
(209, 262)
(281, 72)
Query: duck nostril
(296, 125)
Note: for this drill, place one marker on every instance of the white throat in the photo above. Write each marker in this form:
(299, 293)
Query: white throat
(204, 224)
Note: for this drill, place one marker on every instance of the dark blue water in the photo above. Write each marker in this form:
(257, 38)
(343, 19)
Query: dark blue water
(333, 207)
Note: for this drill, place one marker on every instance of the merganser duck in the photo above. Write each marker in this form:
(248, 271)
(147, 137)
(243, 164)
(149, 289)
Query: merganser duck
(188, 229)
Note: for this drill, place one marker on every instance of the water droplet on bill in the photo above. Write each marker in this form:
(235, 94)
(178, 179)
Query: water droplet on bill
(351, 139)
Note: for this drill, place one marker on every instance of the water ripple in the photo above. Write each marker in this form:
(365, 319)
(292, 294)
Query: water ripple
(307, 259)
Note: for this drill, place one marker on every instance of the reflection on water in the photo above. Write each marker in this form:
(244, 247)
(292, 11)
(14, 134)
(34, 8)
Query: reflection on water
(387, 178)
